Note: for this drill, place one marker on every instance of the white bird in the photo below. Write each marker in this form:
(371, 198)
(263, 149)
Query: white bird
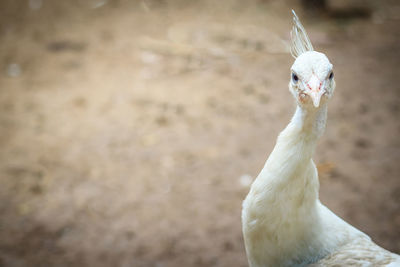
(283, 221)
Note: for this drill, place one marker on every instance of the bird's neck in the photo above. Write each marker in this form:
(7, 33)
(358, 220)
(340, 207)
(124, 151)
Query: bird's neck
(282, 203)
(296, 144)
(290, 165)
(309, 121)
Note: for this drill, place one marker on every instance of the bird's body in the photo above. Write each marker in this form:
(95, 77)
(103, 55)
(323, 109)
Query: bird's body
(284, 223)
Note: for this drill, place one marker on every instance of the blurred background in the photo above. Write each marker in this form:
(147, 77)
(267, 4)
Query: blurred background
(131, 130)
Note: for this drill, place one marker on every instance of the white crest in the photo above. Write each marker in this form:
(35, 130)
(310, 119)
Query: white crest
(300, 41)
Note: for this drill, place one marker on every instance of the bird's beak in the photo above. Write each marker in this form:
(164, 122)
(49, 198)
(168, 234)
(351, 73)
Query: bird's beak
(315, 89)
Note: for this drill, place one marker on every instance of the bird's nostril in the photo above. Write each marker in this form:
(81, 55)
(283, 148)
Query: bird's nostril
(317, 89)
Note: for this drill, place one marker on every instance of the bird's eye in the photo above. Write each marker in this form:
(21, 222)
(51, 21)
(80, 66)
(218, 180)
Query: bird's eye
(331, 75)
(295, 78)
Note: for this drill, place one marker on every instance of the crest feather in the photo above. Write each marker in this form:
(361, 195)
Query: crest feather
(300, 42)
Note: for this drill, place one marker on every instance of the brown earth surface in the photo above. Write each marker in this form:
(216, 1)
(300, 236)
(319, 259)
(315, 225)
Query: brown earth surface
(130, 130)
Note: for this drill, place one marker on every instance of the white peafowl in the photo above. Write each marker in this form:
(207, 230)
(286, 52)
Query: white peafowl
(284, 223)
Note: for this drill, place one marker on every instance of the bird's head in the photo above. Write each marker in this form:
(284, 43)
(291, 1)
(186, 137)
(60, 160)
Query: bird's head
(312, 82)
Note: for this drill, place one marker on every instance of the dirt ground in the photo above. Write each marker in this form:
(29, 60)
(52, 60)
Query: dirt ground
(130, 130)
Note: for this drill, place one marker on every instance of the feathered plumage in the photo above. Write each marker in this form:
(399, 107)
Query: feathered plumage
(300, 42)
(284, 223)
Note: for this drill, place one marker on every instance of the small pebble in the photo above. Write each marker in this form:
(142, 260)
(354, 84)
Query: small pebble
(13, 70)
(35, 4)
(245, 180)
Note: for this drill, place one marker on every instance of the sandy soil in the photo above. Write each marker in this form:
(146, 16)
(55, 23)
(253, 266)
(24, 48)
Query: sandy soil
(130, 130)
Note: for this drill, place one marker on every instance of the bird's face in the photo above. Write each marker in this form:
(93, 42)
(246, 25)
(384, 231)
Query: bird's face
(312, 81)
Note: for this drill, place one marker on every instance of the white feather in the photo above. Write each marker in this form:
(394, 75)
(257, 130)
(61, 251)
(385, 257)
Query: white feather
(300, 41)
